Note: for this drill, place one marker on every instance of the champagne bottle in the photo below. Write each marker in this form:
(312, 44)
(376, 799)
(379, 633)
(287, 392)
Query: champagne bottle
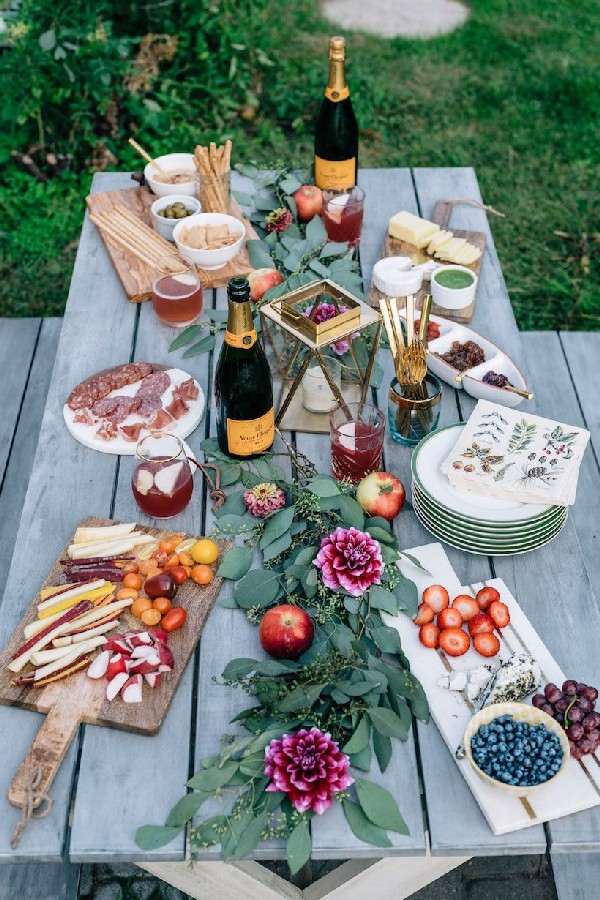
(336, 130)
(243, 383)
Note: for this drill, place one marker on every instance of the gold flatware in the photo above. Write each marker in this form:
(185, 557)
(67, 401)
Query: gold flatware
(507, 387)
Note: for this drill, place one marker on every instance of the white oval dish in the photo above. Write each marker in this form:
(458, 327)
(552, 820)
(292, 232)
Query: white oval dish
(170, 162)
(495, 359)
(210, 259)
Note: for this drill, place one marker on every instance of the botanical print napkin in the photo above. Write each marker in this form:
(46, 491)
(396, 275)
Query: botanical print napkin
(508, 454)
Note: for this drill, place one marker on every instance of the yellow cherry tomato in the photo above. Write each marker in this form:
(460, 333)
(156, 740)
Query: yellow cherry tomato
(205, 551)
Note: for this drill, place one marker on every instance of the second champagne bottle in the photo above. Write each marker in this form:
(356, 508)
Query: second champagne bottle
(336, 130)
(243, 382)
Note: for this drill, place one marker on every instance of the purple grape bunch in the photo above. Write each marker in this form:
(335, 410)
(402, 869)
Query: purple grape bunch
(574, 707)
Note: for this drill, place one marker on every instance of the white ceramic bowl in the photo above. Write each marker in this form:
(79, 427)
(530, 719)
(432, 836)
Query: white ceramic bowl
(169, 163)
(452, 298)
(521, 712)
(165, 227)
(210, 259)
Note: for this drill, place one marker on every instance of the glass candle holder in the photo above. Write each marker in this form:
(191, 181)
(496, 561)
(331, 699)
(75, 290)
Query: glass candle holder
(317, 395)
(413, 415)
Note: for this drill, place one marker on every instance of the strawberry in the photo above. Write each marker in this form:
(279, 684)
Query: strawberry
(498, 611)
(436, 596)
(481, 624)
(449, 618)
(486, 596)
(486, 644)
(454, 641)
(466, 605)
(424, 615)
(428, 635)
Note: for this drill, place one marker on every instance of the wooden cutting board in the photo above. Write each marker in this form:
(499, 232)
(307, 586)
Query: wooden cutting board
(394, 247)
(79, 699)
(135, 275)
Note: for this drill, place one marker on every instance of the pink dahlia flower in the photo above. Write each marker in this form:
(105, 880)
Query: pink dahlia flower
(263, 499)
(351, 560)
(309, 767)
(326, 311)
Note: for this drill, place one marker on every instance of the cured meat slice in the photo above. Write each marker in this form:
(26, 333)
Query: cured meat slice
(132, 432)
(99, 386)
(107, 431)
(145, 369)
(177, 408)
(187, 390)
(154, 385)
(103, 408)
(122, 410)
(160, 420)
(147, 405)
(84, 417)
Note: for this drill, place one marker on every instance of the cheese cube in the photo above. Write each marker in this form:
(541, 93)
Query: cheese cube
(410, 228)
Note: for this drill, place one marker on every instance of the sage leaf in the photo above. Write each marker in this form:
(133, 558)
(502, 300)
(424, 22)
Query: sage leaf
(299, 847)
(260, 587)
(204, 346)
(360, 737)
(379, 806)
(150, 837)
(235, 563)
(363, 828)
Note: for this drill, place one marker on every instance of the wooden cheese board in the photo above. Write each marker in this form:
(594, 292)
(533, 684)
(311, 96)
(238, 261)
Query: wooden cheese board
(135, 275)
(394, 247)
(575, 790)
(79, 699)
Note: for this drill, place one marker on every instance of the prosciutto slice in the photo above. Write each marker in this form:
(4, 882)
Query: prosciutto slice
(132, 432)
(107, 431)
(187, 390)
(177, 408)
(160, 420)
(84, 417)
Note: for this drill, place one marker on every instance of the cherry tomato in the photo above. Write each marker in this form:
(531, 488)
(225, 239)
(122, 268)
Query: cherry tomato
(160, 557)
(188, 569)
(146, 566)
(173, 560)
(132, 580)
(186, 558)
(174, 619)
(205, 551)
(129, 567)
(127, 594)
(178, 572)
(139, 606)
(162, 604)
(151, 617)
(202, 574)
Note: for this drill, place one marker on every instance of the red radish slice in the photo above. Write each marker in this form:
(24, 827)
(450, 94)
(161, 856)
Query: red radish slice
(136, 639)
(119, 645)
(153, 679)
(115, 666)
(132, 690)
(159, 635)
(167, 662)
(99, 666)
(143, 651)
(144, 666)
(113, 687)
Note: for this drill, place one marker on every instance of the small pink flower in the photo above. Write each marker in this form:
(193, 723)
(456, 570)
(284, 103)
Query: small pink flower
(351, 560)
(326, 311)
(309, 767)
(263, 499)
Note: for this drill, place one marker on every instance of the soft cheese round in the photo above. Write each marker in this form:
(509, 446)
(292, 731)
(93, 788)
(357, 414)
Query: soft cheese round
(396, 276)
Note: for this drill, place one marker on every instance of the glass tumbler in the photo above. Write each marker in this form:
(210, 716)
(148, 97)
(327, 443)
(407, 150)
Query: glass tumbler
(356, 430)
(413, 415)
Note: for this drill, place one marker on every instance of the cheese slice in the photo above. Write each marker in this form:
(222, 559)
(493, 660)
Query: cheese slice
(442, 237)
(449, 251)
(413, 229)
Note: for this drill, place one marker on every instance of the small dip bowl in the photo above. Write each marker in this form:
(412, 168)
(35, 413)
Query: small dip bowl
(453, 287)
(210, 259)
(165, 226)
(175, 163)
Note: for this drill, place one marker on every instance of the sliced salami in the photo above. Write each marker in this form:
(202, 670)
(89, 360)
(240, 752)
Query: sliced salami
(99, 386)
(147, 405)
(154, 385)
(103, 408)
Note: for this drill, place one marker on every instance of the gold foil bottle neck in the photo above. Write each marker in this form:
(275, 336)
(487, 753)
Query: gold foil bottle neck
(337, 48)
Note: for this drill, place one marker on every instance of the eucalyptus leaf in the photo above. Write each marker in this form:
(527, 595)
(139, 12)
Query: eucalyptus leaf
(339, 697)
(360, 688)
(379, 806)
(233, 524)
(360, 737)
(258, 253)
(319, 269)
(387, 722)
(239, 668)
(323, 486)
(242, 198)
(302, 562)
(378, 522)
(217, 315)
(187, 335)
(276, 547)
(277, 525)
(250, 836)
(382, 745)
(209, 831)
(253, 765)
(315, 232)
(234, 505)
(387, 639)
(185, 808)
(301, 698)
(362, 760)
(260, 587)
(379, 534)
(47, 42)
(230, 474)
(299, 847)
(235, 563)
(333, 249)
(341, 639)
(351, 604)
(309, 583)
(210, 779)
(415, 562)
(204, 346)
(150, 837)
(381, 598)
(362, 827)
(407, 595)
(351, 512)
(276, 666)
(266, 203)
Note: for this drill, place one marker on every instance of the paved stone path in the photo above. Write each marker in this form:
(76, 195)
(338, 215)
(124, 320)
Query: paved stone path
(394, 18)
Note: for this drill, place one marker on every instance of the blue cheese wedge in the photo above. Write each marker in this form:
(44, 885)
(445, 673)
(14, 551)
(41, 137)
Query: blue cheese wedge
(516, 678)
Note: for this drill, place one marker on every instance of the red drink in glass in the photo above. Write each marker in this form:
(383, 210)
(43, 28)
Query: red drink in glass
(162, 482)
(343, 215)
(177, 297)
(356, 442)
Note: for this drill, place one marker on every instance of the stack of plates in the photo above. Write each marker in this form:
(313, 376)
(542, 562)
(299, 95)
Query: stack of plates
(475, 524)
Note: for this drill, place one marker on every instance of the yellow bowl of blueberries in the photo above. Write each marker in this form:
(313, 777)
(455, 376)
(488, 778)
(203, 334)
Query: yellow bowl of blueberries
(516, 748)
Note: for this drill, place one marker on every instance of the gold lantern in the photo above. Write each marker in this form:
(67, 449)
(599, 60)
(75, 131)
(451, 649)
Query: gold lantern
(294, 335)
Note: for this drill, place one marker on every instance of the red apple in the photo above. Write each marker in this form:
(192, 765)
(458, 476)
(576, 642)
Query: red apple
(381, 494)
(286, 632)
(261, 280)
(309, 202)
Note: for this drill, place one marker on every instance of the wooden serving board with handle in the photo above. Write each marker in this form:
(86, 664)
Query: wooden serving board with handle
(79, 699)
(394, 247)
(136, 276)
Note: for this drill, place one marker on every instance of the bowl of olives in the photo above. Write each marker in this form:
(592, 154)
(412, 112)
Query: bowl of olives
(168, 211)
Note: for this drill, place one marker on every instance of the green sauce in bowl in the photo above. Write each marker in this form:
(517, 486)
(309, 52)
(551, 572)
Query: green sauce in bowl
(454, 278)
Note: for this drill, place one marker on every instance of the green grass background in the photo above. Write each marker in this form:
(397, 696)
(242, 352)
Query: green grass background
(514, 93)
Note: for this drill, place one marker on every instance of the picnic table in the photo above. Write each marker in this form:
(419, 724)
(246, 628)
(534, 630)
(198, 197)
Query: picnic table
(111, 782)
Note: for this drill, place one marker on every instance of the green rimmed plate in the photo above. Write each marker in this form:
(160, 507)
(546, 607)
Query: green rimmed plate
(426, 464)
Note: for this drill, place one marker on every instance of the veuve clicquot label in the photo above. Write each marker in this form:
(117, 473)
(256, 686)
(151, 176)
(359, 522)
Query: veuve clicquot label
(244, 341)
(337, 175)
(245, 437)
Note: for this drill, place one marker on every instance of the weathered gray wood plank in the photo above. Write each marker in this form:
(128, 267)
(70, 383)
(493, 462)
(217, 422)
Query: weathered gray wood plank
(67, 482)
(582, 350)
(18, 338)
(39, 881)
(20, 461)
(576, 875)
